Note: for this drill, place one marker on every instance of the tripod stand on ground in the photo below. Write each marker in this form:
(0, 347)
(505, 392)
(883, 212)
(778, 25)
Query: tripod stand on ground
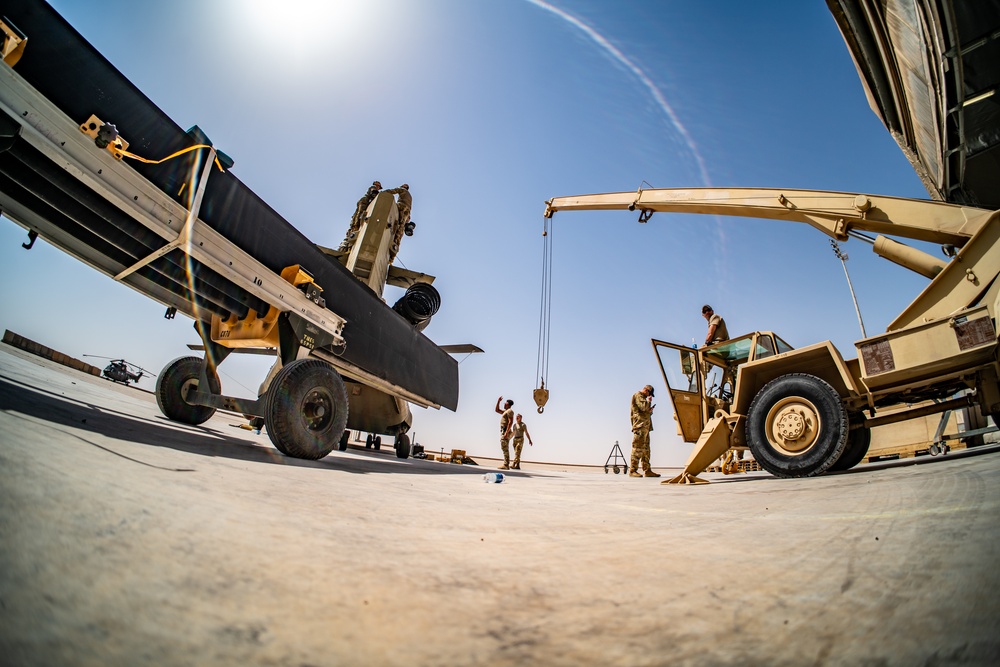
(612, 462)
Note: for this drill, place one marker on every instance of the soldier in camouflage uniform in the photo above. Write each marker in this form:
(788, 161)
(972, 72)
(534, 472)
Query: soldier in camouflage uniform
(359, 216)
(403, 206)
(642, 424)
(520, 429)
(506, 429)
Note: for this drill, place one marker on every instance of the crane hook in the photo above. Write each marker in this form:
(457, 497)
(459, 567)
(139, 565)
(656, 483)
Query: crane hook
(541, 396)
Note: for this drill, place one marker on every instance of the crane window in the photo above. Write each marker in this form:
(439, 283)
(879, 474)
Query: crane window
(764, 347)
(783, 346)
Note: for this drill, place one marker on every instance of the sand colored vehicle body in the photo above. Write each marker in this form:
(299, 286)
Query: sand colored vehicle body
(805, 411)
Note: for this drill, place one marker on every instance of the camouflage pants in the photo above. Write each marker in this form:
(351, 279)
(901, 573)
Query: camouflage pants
(505, 446)
(397, 231)
(518, 446)
(640, 449)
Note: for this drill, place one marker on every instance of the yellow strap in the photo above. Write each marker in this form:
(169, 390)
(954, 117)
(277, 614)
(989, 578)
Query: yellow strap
(170, 157)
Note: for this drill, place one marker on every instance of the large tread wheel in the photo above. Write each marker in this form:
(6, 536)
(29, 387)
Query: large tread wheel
(858, 441)
(175, 382)
(306, 409)
(402, 446)
(797, 426)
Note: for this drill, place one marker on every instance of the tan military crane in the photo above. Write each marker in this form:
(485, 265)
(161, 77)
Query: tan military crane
(804, 411)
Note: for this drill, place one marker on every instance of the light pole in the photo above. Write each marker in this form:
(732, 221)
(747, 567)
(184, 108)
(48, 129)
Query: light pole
(843, 260)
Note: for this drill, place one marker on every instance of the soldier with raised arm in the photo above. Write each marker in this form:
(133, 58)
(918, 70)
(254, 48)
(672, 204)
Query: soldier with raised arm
(506, 429)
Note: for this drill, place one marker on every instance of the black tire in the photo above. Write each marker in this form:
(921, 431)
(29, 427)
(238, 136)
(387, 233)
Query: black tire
(368, 441)
(402, 446)
(174, 382)
(377, 442)
(797, 426)
(858, 441)
(306, 409)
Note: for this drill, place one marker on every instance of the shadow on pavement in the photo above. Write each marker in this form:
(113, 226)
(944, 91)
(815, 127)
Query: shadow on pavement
(76, 418)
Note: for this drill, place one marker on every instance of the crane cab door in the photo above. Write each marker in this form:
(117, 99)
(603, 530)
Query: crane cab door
(680, 366)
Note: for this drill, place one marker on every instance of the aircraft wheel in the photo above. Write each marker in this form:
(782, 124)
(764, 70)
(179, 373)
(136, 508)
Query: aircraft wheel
(306, 409)
(858, 442)
(175, 381)
(368, 441)
(797, 426)
(342, 445)
(377, 442)
(402, 446)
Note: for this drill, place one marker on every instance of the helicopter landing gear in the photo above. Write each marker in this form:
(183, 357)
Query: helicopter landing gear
(402, 446)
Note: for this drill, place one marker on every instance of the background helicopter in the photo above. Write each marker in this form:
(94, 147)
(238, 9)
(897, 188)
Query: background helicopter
(122, 371)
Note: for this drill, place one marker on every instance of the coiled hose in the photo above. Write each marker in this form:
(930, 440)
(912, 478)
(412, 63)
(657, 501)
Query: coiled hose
(419, 304)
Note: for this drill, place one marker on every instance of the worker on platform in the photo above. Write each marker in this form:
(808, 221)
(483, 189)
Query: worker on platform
(404, 205)
(506, 429)
(717, 331)
(519, 430)
(359, 216)
(642, 423)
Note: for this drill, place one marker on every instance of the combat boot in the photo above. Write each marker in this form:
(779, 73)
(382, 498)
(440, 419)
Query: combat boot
(635, 473)
(650, 473)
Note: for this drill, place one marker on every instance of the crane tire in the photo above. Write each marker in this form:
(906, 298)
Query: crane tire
(797, 426)
(858, 441)
(174, 382)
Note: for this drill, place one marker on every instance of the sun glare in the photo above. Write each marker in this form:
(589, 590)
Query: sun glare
(298, 29)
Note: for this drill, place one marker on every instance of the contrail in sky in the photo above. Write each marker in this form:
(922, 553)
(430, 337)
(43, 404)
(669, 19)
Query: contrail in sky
(661, 101)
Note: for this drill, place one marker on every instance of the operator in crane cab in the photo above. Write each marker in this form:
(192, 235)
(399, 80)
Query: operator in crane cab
(717, 331)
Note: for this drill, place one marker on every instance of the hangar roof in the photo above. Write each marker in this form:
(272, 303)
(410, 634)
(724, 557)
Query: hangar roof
(931, 70)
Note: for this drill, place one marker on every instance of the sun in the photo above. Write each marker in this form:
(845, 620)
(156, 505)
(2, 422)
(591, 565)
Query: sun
(303, 29)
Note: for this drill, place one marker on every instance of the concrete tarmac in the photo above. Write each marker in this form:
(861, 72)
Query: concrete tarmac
(126, 539)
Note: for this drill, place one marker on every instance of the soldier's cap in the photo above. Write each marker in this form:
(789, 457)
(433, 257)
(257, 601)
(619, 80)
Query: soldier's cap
(650, 388)
(405, 186)
(377, 185)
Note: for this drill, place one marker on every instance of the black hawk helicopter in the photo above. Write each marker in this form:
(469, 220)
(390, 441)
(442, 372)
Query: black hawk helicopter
(122, 371)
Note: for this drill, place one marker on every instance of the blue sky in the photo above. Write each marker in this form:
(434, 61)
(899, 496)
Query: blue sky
(487, 109)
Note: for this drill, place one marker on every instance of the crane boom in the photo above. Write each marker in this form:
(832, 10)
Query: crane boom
(833, 213)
